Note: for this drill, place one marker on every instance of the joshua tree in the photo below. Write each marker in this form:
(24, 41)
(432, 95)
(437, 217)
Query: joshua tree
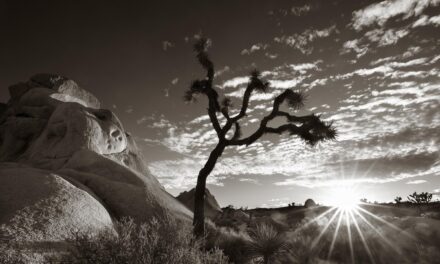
(419, 198)
(310, 128)
(398, 200)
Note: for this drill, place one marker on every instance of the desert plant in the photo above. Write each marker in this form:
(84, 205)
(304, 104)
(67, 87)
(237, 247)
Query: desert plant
(233, 243)
(310, 128)
(10, 253)
(419, 198)
(267, 242)
(398, 200)
(164, 241)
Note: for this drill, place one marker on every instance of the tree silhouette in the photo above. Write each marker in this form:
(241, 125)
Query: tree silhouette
(419, 198)
(310, 128)
(398, 200)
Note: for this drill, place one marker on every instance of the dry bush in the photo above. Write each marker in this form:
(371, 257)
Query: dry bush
(234, 244)
(161, 241)
(9, 254)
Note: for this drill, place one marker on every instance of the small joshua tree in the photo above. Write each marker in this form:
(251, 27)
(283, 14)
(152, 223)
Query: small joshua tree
(398, 200)
(266, 242)
(310, 128)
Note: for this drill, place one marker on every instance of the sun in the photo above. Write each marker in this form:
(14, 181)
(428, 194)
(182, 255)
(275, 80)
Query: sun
(344, 198)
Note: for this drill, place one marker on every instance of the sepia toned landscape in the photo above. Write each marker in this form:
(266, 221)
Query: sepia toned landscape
(165, 132)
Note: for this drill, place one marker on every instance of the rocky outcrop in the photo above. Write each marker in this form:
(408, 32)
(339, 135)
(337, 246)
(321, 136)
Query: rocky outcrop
(66, 164)
(309, 203)
(212, 208)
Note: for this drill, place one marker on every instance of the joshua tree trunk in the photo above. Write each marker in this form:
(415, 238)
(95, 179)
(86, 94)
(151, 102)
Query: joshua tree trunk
(199, 197)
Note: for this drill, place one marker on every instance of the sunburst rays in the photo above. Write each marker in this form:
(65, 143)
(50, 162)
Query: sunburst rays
(357, 221)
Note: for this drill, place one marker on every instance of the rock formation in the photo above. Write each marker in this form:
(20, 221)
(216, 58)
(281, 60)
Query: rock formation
(212, 208)
(309, 203)
(68, 165)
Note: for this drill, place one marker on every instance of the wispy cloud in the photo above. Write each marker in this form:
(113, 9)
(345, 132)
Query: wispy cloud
(380, 13)
(300, 10)
(302, 41)
(253, 181)
(425, 20)
(416, 182)
(386, 37)
(254, 48)
(235, 82)
(354, 45)
(174, 81)
(167, 45)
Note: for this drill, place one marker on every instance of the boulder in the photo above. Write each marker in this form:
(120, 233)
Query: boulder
(66, 165)
(40, 206)
(212, 208)
(309, 203)
(65, 90)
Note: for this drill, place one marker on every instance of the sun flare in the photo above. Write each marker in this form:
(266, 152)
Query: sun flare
(344, 198)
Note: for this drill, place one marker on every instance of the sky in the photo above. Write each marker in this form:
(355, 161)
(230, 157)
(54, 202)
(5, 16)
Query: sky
(371, 67)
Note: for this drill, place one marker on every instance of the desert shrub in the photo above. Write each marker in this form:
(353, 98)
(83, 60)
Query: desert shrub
(266, 243)
(161, 241)
(9, 254)
(300, 241)
(234, 244)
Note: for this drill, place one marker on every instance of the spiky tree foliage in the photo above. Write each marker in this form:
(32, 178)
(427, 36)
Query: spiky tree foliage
(266, 243)
(419, 198)
(310, 128)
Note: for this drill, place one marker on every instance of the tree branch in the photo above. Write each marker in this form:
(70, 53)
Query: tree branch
(255, 83)
(312, 129)
(205, 86)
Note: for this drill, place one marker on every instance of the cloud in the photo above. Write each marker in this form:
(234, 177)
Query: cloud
(353, 45)
(386, 114)
(129, 109)
(374, 170)
(300, 10)
(394, 69)
(425, 20)
(386, 37)
(162, 123)
(304, 67)
(302, 41)
(286, 84)
(180, 173)
(141, 120)
(416, 182)
(166, 45)
(271, 55)
(174, 81)
(318, 82)
(276, 203)
(222, 71)
(380, 13)
(249, 180)
(254, 48)
(235, 82)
